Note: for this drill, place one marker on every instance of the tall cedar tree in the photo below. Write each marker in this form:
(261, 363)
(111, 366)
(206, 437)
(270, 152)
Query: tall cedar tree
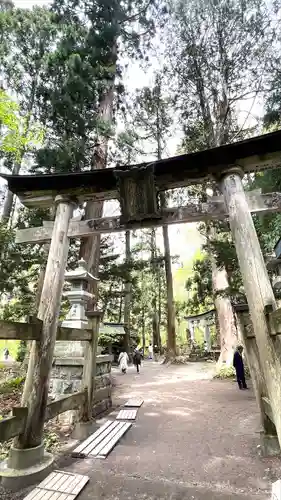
(152, 115)
(83, 86)
(217, 58)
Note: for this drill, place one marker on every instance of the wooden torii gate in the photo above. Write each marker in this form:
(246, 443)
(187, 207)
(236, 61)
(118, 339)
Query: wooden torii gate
(137, 189)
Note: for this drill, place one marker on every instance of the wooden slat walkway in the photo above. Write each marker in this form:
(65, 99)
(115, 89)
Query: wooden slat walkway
(127, 414)
(134, 403)
(59, 485)
(100, 443)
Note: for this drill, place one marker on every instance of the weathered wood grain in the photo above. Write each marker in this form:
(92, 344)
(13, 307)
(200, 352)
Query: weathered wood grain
(267, 408)
(10, 330)
(252, 155)
(89, 371)
(194, 212)
(27, 331)
(14, 425)
(49, 313)
(11, 426)
(134, 403)
(275, 322)
(65, 403)
(59, 485)
(127, 414)
(100, 443)
(257, 287)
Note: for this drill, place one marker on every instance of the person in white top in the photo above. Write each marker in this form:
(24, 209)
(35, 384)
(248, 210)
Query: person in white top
(123, 361)
(150, 352)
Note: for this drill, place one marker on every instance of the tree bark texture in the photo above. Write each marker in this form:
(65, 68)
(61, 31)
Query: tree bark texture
(90, 246)
(9, 199)
(32, 354)
(225, 315)
(257, 374)
(171, 321)
(128, 293)
(49, 313)
(155, 274)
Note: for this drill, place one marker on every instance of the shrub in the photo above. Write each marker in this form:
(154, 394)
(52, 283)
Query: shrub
(21, 352)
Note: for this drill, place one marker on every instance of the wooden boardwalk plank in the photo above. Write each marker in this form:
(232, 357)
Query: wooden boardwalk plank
(96, 450)
(100, 438)
(59, 485)
(103, 451)
(78, 452)
(127, 414)
(134, 403)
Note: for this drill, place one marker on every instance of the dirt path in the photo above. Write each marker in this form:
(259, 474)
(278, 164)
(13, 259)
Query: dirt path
(194, 438)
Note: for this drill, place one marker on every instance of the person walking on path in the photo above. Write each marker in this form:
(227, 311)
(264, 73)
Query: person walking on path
(150, 352)
(123, 361)
(137, 360)
(239, 368)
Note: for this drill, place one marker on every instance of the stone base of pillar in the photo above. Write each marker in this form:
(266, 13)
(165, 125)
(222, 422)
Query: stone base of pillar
(269, 445)
(25, 467)
(82, 430)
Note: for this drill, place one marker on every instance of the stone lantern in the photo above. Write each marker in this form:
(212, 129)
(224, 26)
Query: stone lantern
(68, 361)
(78, 296)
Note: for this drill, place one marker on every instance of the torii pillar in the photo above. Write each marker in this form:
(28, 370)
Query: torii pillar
(256, 282)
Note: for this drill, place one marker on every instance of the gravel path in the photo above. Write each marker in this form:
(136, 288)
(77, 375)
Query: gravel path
(194, 438)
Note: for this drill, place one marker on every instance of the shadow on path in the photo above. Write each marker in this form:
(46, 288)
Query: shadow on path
(194, 438)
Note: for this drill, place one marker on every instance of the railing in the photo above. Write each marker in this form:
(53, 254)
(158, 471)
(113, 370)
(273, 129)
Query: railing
(83, 400)
(14, 425)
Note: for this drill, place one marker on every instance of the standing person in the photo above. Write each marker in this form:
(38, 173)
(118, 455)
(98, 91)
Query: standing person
(123, 361)
(150, 351)
(239, 368)
(137, 359)
(6, 354)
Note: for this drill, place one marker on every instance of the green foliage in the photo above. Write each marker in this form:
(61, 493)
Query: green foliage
(199, 286)
(18, 275)
(16, 134)
(51, 441)
(11, 385)
(22, 351)
(225, 372)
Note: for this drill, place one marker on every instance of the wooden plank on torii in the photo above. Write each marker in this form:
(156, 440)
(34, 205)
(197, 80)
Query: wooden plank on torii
(193, 212)
(252, 155)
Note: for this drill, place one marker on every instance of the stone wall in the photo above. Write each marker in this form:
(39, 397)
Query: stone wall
(66, 378)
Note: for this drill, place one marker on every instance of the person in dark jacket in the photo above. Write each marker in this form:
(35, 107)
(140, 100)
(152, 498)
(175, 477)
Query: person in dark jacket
(137, 360)
(239, 368)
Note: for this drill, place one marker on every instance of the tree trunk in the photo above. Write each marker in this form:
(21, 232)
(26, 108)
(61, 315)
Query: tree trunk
(228, 332)
(159, 307)
(143, 330)
(155, 317)
(32, 353)
(9, 199)
(128, 293)
(171, 321)
(90, 247)
(120, 306)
